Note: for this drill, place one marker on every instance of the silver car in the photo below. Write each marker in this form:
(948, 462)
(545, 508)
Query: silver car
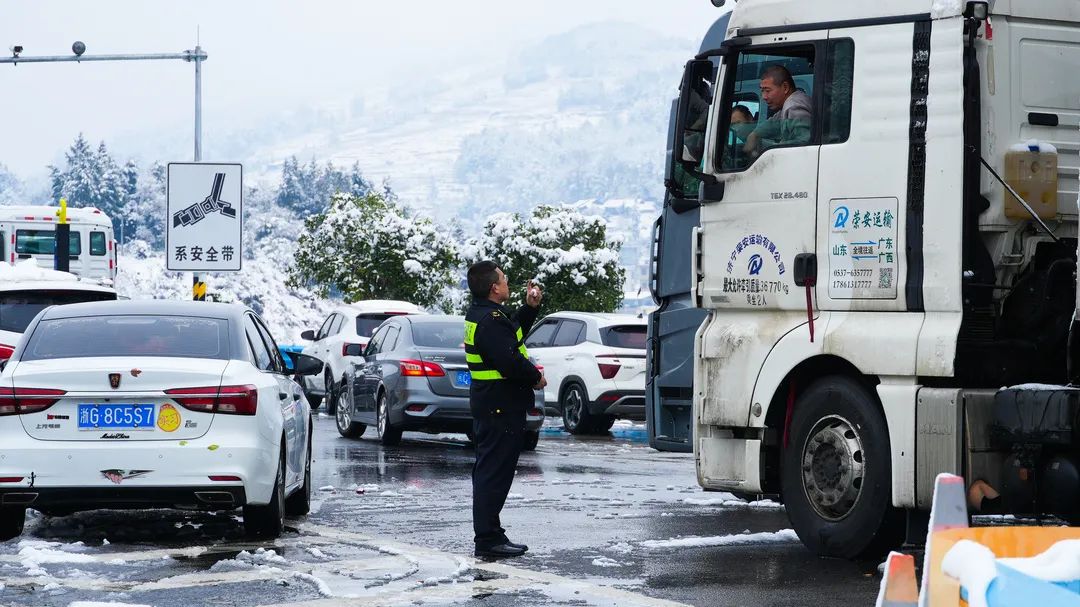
(413, 377)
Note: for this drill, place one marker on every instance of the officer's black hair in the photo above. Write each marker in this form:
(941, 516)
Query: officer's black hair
(481, 276)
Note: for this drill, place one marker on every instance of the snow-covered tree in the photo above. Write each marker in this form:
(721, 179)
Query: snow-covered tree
(91, 178)
(307, 189)
(568, 253)
(368, 247)
(11, 187)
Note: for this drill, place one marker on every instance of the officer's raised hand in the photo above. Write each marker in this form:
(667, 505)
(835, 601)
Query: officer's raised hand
(533, 295)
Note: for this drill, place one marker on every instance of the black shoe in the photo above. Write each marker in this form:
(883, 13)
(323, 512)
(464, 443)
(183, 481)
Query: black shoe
(521, 547)
(500, 551)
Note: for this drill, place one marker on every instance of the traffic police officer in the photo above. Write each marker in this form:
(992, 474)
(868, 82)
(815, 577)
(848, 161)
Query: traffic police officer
(503, 381)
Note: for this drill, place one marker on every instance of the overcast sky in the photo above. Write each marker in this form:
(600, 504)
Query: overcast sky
(265, 56)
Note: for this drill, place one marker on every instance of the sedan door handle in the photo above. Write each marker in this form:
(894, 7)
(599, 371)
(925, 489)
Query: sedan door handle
(569, 358)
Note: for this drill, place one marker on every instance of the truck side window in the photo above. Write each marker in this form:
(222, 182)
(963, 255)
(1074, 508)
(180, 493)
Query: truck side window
(839, 83)
(97, 243)
(771, 104)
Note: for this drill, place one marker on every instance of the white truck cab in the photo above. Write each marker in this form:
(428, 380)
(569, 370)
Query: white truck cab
(869, 282)
(29, 232)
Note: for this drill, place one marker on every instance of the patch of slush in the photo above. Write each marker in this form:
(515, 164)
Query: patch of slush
(604, 561)
(786, 536)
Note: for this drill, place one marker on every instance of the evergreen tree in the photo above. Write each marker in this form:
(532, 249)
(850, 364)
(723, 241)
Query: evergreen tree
(371, 248)
(307, 189)
(91, 178)
(568, 253)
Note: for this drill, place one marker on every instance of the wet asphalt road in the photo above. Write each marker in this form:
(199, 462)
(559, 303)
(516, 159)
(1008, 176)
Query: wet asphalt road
(603, 517)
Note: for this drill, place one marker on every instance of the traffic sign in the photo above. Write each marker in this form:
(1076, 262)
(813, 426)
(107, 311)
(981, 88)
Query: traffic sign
(205, 218)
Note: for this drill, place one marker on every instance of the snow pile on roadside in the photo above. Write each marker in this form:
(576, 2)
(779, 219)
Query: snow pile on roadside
(786, 536)
(97, 604)
(35, 553)
(249, 560)
(730, 501)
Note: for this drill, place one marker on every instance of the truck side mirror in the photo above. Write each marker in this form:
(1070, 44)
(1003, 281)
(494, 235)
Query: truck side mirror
(687, 133)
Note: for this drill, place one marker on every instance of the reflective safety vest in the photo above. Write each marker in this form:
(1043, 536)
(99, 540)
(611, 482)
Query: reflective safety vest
(478, 369)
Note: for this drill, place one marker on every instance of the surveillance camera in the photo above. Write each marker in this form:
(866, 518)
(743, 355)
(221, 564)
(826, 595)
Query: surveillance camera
(719, 3)
(78, 48)
(15, 50)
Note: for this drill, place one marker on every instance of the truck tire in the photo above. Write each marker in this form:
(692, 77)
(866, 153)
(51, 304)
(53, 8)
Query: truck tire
(836, 474)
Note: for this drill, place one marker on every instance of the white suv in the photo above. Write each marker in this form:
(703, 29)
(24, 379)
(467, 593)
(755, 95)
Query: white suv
(351, 324)
(26, 289)
(595, 367)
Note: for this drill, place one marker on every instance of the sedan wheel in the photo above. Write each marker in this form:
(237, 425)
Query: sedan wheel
(388, 434)
(345, 424)
(269, 520)
(299, 503)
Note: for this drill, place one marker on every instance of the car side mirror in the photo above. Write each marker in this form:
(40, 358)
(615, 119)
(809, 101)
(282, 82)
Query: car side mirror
(308, 335)
(306, 365)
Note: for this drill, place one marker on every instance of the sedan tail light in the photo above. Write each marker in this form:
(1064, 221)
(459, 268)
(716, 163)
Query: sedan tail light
(20, 401)
(420, 368)
(228, 400)
(609, 366)
(6, 351)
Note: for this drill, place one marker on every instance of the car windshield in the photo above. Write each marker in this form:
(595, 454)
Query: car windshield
(624, 336)
(367, 323)
(439, 334)
(95, 336)
(18, 308)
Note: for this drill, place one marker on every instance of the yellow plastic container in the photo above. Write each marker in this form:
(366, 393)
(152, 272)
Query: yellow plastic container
(1034, 175)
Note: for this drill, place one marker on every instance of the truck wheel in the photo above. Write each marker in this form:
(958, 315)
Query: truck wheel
(836, 474)
(574, 404)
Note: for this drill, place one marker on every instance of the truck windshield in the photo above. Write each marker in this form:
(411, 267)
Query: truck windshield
(18, 308)
(97, 336)
(43, 242)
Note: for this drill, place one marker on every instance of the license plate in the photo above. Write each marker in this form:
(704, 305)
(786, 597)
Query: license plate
(463, 379)
(129, 417)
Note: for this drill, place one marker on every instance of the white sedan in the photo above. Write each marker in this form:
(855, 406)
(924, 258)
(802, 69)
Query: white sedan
(150, 404)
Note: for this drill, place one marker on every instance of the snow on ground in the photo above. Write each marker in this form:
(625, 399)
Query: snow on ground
(109, 604)
(786, 536)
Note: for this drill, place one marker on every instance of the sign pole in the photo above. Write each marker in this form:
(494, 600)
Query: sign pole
(198, 288)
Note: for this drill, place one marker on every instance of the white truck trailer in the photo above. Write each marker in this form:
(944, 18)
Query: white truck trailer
(871, 283)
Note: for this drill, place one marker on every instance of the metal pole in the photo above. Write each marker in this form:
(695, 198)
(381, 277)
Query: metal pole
(198, 104)
(198, 140)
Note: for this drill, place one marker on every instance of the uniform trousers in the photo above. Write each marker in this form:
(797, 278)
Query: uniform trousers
(499, 440)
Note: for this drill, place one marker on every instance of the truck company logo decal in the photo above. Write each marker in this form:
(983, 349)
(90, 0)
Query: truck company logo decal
(768, 248)
(119, 476)
(755, 265)
(114, 380)
(842, 214)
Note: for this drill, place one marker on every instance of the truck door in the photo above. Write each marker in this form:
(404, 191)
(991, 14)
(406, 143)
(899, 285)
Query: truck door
(767, 144)
(862, 216)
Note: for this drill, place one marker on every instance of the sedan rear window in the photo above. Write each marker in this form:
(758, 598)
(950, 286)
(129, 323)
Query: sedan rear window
(367, 323)
(18, 308)
(448, 335)
(96, 336)
(624, 336)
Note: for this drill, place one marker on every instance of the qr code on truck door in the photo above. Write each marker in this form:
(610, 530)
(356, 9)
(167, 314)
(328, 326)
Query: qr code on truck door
(885, 279)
